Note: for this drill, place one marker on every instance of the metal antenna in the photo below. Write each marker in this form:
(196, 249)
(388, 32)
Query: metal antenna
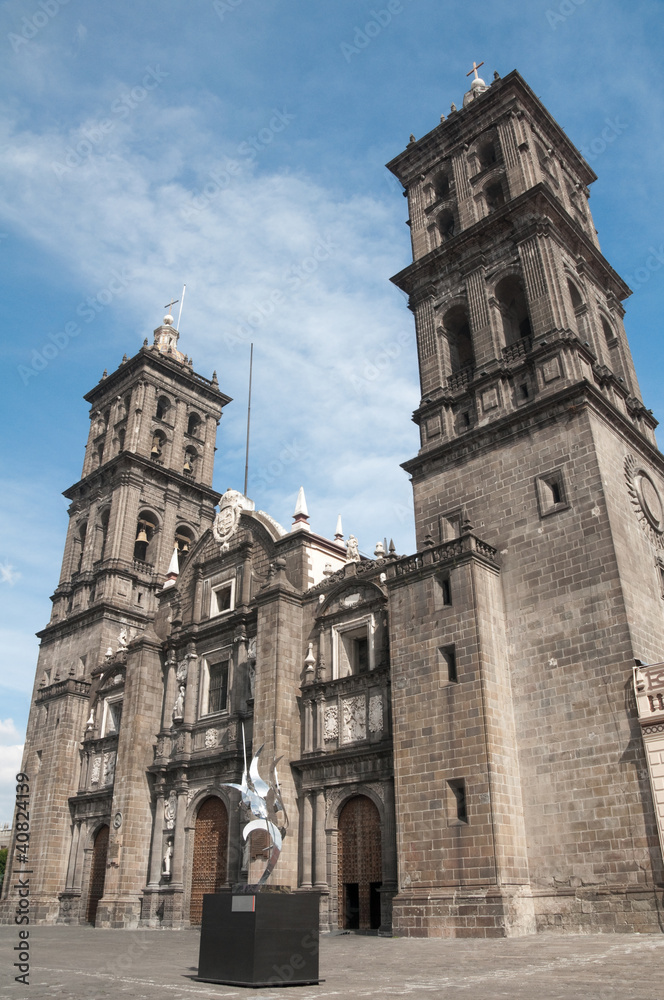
(184, 289)
(246, 463)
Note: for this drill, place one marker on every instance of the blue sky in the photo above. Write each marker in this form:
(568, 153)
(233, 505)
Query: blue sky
(227, 145)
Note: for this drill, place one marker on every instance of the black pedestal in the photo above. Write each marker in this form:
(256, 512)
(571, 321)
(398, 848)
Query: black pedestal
(270, 939)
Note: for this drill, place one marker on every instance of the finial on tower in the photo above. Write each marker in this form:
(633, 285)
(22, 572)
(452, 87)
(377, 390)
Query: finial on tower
(301, 514)
(339, 533)
(477, 86)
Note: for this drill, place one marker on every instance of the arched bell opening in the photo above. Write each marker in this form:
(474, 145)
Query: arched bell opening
(513, 310)
(456, 330)
(146, 534)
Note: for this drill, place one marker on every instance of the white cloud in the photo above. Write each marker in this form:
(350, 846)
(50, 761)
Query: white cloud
(8, 574)
(273, 258)
(8, 732)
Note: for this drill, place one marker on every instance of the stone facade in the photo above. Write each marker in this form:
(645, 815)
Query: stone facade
(465, 746)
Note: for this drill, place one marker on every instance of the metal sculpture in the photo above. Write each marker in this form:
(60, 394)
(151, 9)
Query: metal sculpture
(263, 799)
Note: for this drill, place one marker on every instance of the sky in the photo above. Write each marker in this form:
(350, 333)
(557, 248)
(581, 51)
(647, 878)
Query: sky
(238, 147)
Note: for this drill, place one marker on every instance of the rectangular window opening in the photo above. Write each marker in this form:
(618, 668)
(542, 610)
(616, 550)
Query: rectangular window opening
(222, 598)
(448, 663)
(458, 789)
(218, 689)
(446, 590)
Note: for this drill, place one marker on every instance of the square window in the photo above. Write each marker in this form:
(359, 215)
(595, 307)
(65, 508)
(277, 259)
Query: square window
(222, 598)
(551, 494)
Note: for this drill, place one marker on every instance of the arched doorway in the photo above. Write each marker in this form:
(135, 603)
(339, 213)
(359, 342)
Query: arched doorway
(97, 873)
(360, 865)
(209, 866)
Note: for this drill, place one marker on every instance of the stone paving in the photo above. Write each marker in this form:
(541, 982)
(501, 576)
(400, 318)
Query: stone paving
(81, 963)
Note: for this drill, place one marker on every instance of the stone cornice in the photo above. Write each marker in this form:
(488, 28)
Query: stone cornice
(524, 421)
(147, 360)
(467, 248)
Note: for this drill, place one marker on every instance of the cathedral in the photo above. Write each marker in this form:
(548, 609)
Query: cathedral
(470, 738)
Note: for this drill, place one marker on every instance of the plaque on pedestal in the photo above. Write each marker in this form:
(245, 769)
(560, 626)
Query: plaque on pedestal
(266, 939)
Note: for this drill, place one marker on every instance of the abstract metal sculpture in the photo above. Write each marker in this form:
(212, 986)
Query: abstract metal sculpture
(263, 799)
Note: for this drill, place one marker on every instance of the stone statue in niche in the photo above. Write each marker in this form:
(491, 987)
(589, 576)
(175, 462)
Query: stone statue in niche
(181, 671)
(170, 809)
(122, 639)
(178, 707)
(252, 677)
(166, 869)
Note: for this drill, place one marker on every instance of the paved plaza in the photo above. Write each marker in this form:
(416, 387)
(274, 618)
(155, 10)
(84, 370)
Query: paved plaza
(81, 963)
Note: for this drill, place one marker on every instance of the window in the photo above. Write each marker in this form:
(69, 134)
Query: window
(551, 494)
(184, 539)
(215, 674)
(223, 598)
(458, 809)
(353, 652)
(218, 687)
(448, 664)
(446, 590)
(112, 716)
(194, 425)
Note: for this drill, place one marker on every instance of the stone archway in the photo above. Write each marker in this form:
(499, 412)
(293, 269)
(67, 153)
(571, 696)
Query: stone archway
(210, 859)
(97, 873)
(359, 865)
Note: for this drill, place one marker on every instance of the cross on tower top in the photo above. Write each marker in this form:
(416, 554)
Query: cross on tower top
(475, 68)
(174, 302)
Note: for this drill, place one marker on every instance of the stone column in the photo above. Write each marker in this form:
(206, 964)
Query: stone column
(320, 857)
(71, 868)
(307, 821)
(177, 879)
(154, 876)
(318, 705)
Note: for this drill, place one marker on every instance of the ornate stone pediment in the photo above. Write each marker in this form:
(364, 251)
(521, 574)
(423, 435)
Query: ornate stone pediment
(348, 597)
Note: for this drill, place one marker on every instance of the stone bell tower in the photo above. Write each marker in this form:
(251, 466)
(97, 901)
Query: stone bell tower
(535, 438)
(145, 490)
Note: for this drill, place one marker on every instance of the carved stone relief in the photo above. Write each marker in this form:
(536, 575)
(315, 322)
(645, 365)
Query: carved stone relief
(331, 730)
(354, 719)
(109, 768)
(211, 738)
(96, 769)
(376, 713)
